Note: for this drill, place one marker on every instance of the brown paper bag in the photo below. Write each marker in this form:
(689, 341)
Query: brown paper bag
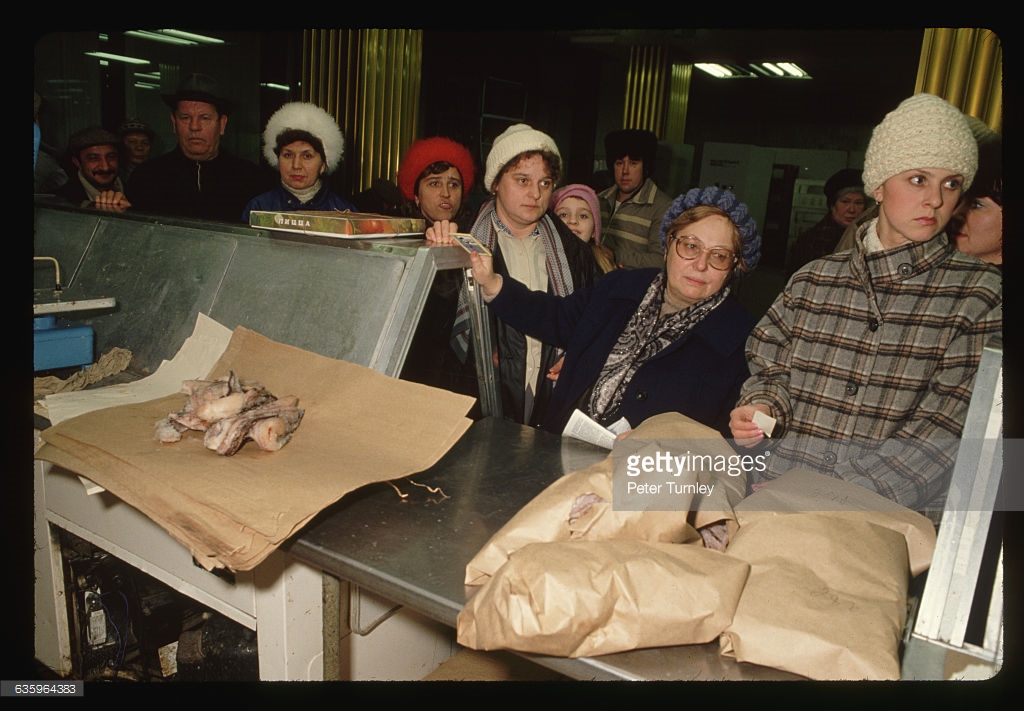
(586, 598)
(578, 506)
(826, 596)
(801, 490)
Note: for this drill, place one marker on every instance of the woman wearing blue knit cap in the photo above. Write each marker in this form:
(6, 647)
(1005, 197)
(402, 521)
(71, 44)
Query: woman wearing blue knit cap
(640, 342)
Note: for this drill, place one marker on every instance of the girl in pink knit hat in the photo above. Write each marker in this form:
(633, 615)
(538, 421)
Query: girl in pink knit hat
(577, 206)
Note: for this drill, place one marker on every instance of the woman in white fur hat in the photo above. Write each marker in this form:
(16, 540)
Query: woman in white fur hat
(530, 244)
(305, 144)
(867, 359)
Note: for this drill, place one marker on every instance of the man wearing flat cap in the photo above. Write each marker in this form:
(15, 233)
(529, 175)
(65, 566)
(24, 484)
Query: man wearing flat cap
(94, 152)
(198, 178)
(631, 210)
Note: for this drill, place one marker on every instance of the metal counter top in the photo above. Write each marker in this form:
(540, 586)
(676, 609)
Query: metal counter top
(414, 550)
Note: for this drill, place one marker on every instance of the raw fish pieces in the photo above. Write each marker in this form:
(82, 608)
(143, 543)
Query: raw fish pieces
(230, 412)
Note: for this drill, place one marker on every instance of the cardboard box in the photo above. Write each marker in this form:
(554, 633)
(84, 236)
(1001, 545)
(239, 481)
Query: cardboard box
(344, 225)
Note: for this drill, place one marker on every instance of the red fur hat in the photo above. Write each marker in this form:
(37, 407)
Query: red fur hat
(426, 151)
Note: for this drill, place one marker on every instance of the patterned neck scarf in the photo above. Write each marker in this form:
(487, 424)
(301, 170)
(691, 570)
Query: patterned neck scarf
(644, 336)
(559, 276)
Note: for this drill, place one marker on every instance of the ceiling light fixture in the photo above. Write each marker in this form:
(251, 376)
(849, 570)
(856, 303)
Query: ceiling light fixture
(192, 36)
(715, 70)
(770, 70)
(271, 85)
(117, 58)
(157, 37)
(793, 70)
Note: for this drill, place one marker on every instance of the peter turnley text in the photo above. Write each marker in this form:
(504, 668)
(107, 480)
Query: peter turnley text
(669, 487)
(667, 463)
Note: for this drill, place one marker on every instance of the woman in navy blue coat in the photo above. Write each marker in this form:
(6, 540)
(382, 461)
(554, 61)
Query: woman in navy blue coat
(645, 341)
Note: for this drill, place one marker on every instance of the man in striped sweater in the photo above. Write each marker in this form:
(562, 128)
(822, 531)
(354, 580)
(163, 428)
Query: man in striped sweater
(632, 210)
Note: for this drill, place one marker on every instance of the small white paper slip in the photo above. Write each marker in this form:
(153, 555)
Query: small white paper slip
(765, 422)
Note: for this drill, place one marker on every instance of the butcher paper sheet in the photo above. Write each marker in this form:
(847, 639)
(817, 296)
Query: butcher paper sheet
(360, 427)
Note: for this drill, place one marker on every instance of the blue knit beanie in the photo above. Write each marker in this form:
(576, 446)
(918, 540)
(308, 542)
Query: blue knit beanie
(728, 203)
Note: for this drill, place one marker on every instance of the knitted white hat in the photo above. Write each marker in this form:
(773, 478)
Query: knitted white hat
(516, 139)
(924, 131)
(299, 116)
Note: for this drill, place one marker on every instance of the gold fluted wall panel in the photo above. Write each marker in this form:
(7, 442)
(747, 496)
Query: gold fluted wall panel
(678, 102)
(369, 80)
(964, 65)
(646, 81)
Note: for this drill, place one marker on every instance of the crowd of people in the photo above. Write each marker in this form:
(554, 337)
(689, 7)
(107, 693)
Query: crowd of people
(620, 301)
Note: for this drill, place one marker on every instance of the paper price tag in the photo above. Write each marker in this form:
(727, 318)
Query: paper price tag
(765, 422)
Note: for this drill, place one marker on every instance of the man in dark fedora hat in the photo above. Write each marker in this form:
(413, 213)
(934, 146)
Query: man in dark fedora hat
(198, 178)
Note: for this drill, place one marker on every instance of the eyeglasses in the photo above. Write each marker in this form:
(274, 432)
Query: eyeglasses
(689, 248)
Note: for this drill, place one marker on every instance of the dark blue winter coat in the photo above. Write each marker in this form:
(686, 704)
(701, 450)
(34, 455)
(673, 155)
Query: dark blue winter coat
(280, 200)
(699, 376)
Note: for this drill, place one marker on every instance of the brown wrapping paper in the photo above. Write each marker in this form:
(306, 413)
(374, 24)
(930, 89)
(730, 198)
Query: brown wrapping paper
(826, 597)
(586, 598)
(232, 511)
(830, 564)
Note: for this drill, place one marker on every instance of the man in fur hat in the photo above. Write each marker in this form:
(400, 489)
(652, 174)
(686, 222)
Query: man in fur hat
(631, 210)
(198, 178)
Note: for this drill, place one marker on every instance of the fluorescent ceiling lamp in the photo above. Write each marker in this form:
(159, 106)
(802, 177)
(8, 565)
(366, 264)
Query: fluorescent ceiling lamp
(715, 70)
(774, 69)
(146, 85)
(157, 37)
(271, 85)
(793, 70)
(151, 76)
(117, 58)
(204, 39)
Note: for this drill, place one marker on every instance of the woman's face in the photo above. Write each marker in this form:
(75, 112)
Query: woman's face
(523, 193)
(575, 213)
(300, 165)
(138, 146)
(439, 196)
(691, 280)
(847, 208)
(980, 229)
(915, 205)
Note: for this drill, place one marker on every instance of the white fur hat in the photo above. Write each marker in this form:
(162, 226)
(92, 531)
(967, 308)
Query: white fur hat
(299, 116)
(516, 139)
(924, 131)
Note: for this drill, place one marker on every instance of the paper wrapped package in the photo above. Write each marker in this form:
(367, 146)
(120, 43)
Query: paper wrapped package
(830, 564)
(587, 598)
(578, 506)
(359, 427)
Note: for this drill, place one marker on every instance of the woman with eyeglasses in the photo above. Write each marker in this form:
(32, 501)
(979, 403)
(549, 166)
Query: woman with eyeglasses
(640, 342)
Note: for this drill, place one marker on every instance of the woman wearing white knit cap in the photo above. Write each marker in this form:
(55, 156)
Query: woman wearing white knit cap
(531, 245)
(303, 142)
(867, 359)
